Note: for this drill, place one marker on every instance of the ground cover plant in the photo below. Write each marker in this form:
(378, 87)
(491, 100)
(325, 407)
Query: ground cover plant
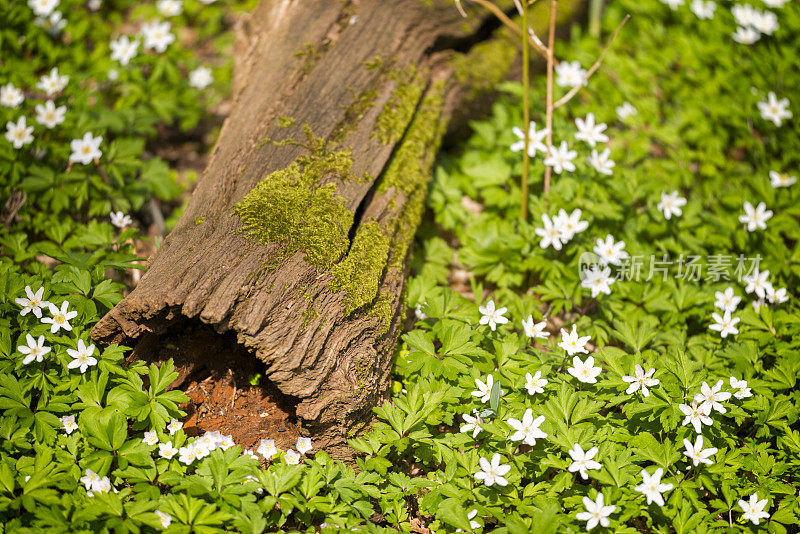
(625, 358)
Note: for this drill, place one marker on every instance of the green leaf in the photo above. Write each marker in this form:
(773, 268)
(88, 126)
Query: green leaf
(494, 396)
(107, 293)
(453, 513)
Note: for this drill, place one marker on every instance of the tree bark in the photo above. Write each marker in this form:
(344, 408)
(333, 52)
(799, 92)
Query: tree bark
(353, 94)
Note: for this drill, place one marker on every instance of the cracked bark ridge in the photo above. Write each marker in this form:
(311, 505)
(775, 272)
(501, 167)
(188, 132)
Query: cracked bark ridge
(306, 61)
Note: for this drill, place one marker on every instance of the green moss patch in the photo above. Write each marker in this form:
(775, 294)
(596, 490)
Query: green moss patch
(485, 65)
(359, 274)
(310, 54)
(396, 114)
(309, 315)
(382, 309)
(288, 207)
(410, 169)
(408, 172)
(411, 164)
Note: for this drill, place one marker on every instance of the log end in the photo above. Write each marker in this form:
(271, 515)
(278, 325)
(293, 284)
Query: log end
(253, 395)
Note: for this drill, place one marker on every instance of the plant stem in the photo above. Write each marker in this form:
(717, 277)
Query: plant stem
(551, 39)
(526, 112)
(513, 27)
(101, 171)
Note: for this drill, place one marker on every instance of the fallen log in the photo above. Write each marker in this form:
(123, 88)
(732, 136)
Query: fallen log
(295, 240)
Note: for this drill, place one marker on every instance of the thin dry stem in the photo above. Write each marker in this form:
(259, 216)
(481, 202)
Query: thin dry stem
(513, 27)
(551, 38)
(534, 38)
(572, 92)
(526, 114)
(100, 170)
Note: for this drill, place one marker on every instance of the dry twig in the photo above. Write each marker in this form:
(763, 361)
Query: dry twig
(513, 27)
(12, 206)
(526, 113)
(551, 37)
(572, 92)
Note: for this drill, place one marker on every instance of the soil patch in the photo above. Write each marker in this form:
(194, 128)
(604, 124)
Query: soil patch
(225, 384)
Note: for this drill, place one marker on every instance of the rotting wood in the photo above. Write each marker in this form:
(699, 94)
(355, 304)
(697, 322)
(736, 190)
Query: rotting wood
(313, 82)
